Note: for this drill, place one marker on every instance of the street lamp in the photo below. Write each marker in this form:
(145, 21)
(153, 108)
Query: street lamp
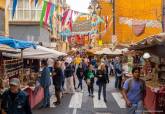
(93, 8)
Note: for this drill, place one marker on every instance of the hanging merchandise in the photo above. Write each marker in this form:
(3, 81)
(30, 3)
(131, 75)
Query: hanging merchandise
(43, 13)
(14, 8)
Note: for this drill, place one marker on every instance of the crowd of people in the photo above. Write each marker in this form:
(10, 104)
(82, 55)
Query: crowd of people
(89, 70)
(64, 74)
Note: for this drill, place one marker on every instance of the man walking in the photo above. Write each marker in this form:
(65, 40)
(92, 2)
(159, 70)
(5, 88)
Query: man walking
(134, 91)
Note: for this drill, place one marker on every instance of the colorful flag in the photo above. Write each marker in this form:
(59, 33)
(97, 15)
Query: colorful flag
(14, 7)
(30, 3)
(47, 11)
(51, 16)
(36, 1)
(43, 13)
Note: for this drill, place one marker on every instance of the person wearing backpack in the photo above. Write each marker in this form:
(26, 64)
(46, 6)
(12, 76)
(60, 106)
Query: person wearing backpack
(134, 91)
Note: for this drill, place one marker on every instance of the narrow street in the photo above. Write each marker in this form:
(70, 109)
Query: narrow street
(81, 103)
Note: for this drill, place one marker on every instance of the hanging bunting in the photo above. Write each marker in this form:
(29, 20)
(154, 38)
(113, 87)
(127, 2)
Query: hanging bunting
(30, 2)
(40, 2)
(47, 11)
(14, 7)
(36, 1)
(43, 13)
(51, 16)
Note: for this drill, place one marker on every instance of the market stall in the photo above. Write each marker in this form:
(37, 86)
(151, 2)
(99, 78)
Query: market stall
(13, 67)
(154, 71)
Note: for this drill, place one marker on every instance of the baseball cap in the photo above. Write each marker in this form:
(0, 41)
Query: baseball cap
(14, 81)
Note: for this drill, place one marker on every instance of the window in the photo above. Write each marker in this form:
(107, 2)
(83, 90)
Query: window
(26, 12)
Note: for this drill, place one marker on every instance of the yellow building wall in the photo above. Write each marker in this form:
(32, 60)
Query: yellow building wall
(135, 9)
(2, 6)
(2, 3)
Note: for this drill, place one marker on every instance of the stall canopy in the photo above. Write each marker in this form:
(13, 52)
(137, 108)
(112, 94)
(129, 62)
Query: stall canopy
(154, 44)
(39, 53)
(17, 44)
(5, 48)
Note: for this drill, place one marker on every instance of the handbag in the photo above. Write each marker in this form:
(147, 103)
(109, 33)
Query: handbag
(88, 81)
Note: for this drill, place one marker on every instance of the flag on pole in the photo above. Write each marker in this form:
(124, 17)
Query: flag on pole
(14, 7)
(43, 13)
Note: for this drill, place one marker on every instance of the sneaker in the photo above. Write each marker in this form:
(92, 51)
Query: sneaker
(92, 95)
(56, 103)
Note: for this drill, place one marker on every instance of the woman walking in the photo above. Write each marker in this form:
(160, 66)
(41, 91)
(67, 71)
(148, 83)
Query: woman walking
(80, 76)
(89, 77)
(103, 79)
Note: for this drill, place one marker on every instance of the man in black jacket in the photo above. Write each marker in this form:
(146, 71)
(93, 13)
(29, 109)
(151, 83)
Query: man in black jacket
(57, 81)
(15, 101)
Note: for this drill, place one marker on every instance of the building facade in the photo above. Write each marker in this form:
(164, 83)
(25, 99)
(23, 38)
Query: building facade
(4, 23)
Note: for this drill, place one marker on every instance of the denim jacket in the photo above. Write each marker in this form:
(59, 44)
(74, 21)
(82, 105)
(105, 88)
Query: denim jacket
(20, 105)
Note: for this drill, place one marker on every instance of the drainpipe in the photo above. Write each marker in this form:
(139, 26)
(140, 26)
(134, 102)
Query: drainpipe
(163, 16)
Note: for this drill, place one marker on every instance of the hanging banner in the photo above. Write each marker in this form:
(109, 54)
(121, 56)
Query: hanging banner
(43, 13)
(14, 7)
(47, 11)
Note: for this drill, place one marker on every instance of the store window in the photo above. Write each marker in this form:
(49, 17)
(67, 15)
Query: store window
(2, 21)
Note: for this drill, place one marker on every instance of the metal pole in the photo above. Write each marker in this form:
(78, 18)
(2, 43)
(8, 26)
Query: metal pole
(114, 18)
(163, 16)
(100, 26)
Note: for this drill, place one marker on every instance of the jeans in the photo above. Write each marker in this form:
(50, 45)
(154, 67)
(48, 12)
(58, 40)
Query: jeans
(80, 83)
(102, 85)
(69, 84)
(118, 82)
(46, 101)
(136, 108)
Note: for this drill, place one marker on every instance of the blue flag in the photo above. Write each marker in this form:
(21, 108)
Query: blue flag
(14, 7)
